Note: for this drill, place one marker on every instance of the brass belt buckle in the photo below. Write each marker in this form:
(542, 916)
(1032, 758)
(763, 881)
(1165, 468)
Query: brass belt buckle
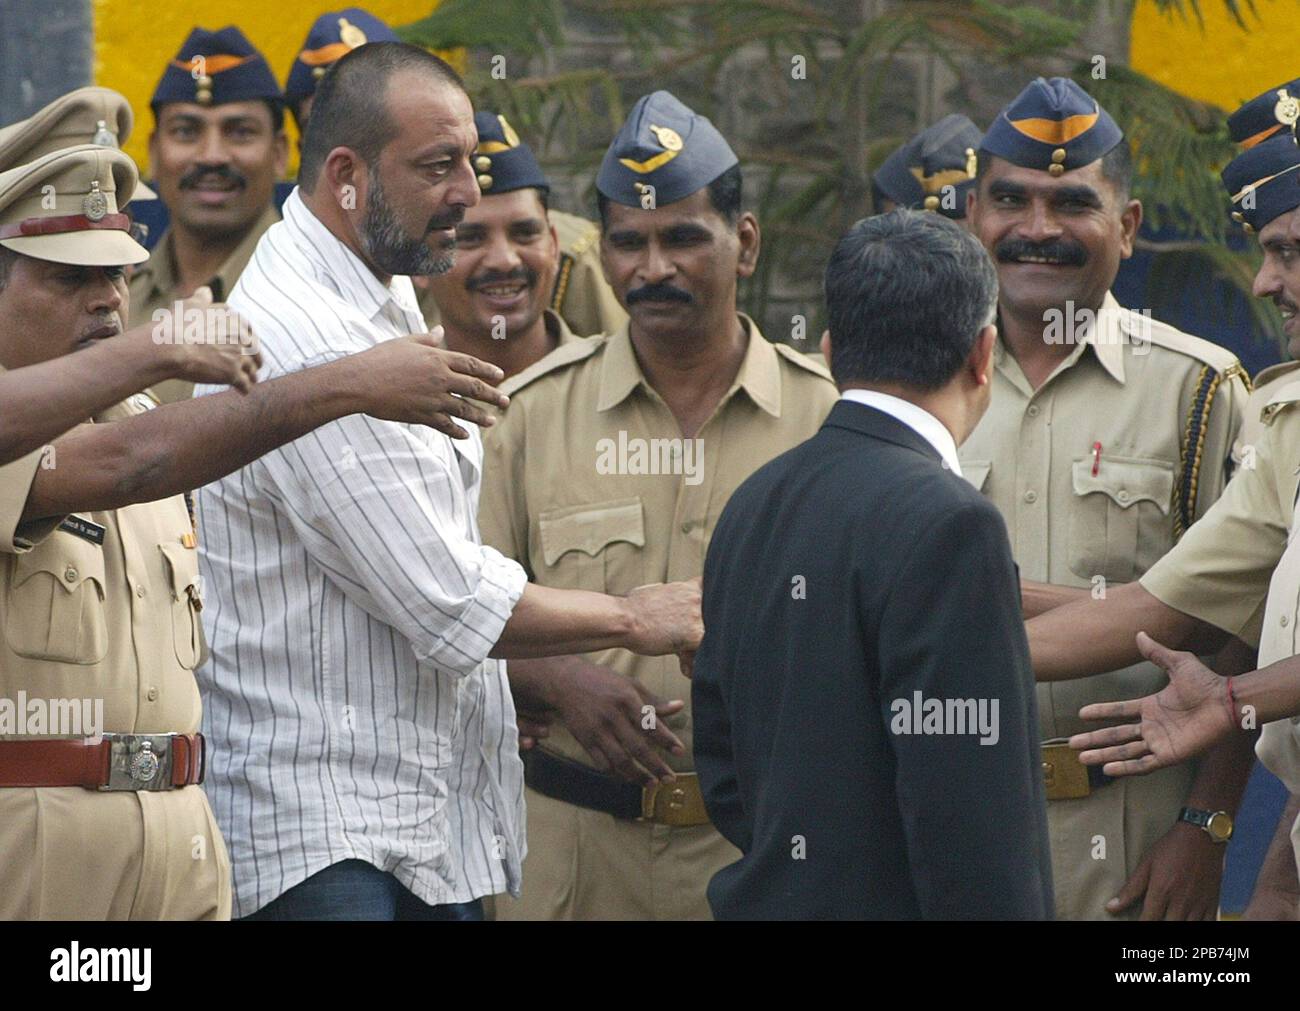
(139, 762)
(1064, 776)
(679, 803)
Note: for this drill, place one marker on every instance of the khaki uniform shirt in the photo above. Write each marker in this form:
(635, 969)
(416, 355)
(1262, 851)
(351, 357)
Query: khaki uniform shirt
(1130, 387)
(1266, 385)
(582, 296)
(1239, 568)
(564, 494)
(153, 286)
(111, 622)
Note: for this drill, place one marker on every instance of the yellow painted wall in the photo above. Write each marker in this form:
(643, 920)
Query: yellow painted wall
(134, 40)
(1218, 62)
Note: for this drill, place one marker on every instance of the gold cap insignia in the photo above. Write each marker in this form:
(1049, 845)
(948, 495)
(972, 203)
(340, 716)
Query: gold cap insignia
(972, 163)
(104, 137)
(931, 203)
(95, 204)
(318, 72)
(669, 139)
(482, 163)
(350, 34)
(512, 138)
(485, 182)
(1287, 109)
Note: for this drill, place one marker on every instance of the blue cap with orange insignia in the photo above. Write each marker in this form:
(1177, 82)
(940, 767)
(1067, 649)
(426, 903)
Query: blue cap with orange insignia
(663, 147)
(213, 68)
(1266, 115)
(1053, 125)
(934, 169)
(502, 161)
(1263, 182)
(331, 38)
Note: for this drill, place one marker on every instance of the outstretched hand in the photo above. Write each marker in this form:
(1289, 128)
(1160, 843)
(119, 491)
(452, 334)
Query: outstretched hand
(1187, 717)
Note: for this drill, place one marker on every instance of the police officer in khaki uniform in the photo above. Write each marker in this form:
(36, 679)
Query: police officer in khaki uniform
(494, 300)
(608, 470)
(1109, 433)
(99, 609)
(1265, 116)
(1236, 571)
(43, 401)
(217, 150)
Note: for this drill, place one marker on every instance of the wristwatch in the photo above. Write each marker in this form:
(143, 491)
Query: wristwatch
(1216, 824)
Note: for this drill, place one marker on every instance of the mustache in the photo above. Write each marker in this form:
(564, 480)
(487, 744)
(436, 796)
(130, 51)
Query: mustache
(1069, 253)
(111, 319)
(449, 220)
(224, 173)
(659, 293)
(1285, 303)
(526, 275)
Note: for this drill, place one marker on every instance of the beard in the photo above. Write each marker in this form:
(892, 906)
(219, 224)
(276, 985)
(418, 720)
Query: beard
(392, 250)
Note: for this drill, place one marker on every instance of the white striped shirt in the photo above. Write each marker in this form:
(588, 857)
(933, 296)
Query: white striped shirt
(350, 707)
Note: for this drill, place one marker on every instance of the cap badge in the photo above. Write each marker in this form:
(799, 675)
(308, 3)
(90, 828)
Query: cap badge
(104, 137)
(669, 139)
(971, 162)
(508, 132)
(1287, 109)
(350, 34)
(95, 203)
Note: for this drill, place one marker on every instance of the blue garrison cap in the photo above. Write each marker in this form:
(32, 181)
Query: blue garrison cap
(666, 145)
(1053, 125)
(502, 161)
(1263, 182)
(1266, 115)
(216, 67)
(331, 38)
(942, 155)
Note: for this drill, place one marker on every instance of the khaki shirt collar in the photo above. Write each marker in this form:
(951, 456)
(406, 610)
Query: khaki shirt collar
(557, 329)
(1106, 338)
(160, 268)
(759, 375)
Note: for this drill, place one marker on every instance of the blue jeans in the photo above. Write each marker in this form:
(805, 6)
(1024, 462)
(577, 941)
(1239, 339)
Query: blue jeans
(356, 890)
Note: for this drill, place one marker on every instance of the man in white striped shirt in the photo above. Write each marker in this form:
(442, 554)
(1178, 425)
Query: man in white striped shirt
(365, 756)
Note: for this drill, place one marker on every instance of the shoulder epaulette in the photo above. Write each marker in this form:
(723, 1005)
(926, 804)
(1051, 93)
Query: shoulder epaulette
(562, 281)
(813, 365)
(1206, 352)
(561, 357)
(1198, 417)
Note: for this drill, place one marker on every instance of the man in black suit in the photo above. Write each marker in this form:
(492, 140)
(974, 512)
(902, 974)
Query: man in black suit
(865, 722)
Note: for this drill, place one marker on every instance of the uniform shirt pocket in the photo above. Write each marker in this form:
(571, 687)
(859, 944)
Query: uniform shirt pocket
(1120, 521)
(182, 565)
(594, 546)
(54, 607)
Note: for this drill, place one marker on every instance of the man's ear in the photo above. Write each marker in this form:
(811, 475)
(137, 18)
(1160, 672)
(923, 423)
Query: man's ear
(345, 175)
(153, 156)
(281, 155)
(1130, 221)
(751, 241)
(980, 360)
(970, 204)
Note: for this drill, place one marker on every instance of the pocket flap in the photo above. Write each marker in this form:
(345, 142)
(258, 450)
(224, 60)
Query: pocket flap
(589, 528)
(1127, 481)
(182, 568)
(976, 472)
(66, 558)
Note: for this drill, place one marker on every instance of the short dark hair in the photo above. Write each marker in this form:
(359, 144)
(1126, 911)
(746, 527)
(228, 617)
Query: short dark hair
(725, 194)
(7, 260)
(350, 108)
(1116, 168)
(907, 293)
(273, 106)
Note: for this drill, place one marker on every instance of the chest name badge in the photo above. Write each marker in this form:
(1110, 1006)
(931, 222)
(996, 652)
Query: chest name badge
(85, 529)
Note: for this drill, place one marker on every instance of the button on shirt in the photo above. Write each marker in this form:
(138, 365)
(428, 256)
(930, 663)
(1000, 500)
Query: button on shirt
(351, 709)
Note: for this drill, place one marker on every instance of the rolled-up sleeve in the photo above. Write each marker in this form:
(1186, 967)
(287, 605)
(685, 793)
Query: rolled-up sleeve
(383, 509)
(16, 480)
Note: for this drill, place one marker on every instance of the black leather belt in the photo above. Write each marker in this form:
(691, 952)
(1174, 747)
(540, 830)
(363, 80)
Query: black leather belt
(679, 803)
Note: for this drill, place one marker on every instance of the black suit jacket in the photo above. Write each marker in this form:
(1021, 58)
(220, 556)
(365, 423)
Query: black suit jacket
(850, 582)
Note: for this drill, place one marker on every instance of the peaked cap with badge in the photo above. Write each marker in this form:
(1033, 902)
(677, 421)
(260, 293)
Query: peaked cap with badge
(941, 155)
(213, 68)
(1053, 125)
(64, 207)
(664, 144)
(85, 116)
(1263, 181)
(332, 36)
(1266, 115)
(502, 161)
